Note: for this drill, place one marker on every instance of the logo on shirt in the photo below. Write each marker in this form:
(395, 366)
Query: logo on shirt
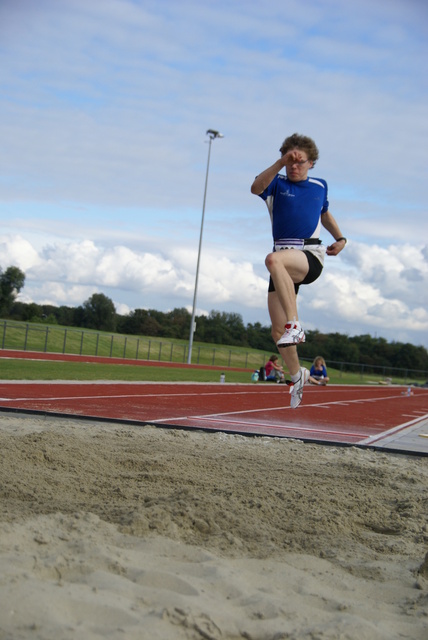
(288, 194)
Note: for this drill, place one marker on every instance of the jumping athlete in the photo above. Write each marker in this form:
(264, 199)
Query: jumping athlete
(298, 206)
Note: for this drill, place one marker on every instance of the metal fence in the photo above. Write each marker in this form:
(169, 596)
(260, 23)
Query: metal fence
(56, 339)
(53, 339)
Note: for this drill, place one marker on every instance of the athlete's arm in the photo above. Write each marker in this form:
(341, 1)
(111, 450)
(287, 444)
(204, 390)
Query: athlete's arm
(264, 178)
(328, 222)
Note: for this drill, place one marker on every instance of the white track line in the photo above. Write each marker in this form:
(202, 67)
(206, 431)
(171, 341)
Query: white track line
(216, 417)
(222, 392)
(280, 426)
(400, 427)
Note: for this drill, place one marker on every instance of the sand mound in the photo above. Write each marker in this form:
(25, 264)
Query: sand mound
(111, 531)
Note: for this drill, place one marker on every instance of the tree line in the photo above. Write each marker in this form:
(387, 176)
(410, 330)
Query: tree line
(99, 313)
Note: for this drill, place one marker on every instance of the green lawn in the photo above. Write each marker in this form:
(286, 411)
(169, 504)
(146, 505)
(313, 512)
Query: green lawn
(23, 369)
(70, 340)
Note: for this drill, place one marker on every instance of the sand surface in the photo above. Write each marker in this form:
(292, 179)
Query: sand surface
(121, 532)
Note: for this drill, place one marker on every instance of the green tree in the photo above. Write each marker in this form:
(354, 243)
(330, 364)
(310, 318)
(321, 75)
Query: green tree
(221, 328)
(179, 323)
(139, 322)
(65, 315)
(11, 282)
(260, 337)
(32, 312)
(98, 312)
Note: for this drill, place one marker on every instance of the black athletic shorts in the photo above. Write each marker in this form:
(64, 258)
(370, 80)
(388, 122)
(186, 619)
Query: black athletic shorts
(315, 269)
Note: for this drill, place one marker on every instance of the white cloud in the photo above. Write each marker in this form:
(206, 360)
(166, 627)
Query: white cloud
(56, 293)
(65, 270)
(399, 271)
(368, 290)
(17, 252)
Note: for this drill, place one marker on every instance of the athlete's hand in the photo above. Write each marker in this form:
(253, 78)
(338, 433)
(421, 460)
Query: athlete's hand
(335, 248)
(291, 157)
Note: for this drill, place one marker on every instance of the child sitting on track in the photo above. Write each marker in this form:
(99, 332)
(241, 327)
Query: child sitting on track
(318, 372)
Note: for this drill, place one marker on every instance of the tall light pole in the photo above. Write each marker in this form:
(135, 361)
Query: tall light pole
(212, 135)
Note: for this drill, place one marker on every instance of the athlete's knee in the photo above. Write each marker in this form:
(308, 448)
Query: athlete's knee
(271, 261)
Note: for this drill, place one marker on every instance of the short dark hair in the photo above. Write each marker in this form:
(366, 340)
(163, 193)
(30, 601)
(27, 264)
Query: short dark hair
(296, 141)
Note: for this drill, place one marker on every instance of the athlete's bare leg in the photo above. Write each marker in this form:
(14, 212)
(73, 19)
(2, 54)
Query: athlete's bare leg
(287, 267)
(278, 320)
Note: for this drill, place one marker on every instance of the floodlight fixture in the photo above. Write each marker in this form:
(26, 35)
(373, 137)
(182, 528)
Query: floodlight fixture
(212, 133)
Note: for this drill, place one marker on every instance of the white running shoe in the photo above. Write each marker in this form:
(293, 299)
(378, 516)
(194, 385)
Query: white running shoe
(296, 388)
(293, 334)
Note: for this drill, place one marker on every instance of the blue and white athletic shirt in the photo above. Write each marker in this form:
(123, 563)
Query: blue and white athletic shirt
(317, 372)
(295, 208)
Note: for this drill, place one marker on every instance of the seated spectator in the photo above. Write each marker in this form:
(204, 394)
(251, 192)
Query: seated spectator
(273, 370)
(318, 372)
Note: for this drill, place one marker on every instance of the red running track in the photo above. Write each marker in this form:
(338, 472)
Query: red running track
(333, 414)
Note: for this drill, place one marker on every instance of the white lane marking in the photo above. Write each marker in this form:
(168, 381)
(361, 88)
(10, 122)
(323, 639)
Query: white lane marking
(390, 432)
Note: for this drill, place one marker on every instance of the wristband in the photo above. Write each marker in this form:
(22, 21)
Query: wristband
(342, 238)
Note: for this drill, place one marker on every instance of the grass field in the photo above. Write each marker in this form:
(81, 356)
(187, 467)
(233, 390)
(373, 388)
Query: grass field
(69, 340)
(55, 339)
(23, 369)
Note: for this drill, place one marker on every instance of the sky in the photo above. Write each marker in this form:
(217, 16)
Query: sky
(104, 108)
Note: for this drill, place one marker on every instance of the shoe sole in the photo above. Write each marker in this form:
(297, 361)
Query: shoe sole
(280, 344)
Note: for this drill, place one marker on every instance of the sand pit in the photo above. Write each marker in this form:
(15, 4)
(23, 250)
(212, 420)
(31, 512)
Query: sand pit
(111, 531)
